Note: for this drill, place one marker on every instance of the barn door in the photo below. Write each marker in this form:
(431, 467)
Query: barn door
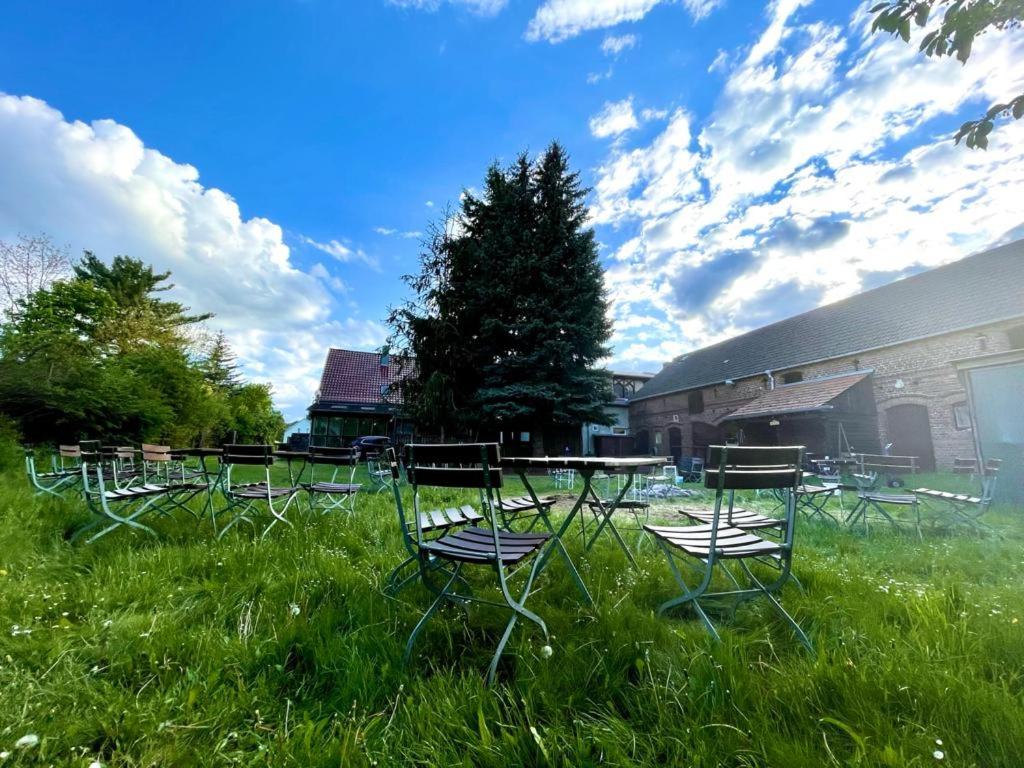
(675, 444)
(910, 434)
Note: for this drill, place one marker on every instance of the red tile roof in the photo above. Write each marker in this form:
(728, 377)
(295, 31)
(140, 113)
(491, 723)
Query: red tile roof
(356, 377)
(810, 395)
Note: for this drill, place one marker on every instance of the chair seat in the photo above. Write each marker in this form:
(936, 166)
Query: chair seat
(813, 490)
(443, 519)
(476, 545)
(259, 491)
(339, 488)
(900, 499)
(525, 503)
(55, 475)
(741, 518)
(695, 540)
(624, 504)
(946, 496)
(148, 490)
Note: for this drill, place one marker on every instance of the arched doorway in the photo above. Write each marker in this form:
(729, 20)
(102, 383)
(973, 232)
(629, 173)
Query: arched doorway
(675, 444)
(909, 432)
(705, 434)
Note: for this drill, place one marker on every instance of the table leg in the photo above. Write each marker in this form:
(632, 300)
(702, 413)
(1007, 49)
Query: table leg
(606, 520)
(556, 542)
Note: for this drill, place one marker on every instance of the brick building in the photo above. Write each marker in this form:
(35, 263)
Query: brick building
(933, 364)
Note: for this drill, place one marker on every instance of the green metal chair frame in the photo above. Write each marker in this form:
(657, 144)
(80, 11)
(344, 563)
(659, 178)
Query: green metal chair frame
(130, 503)
(713, 545)
(466, 466)
(160, 464)
(962, 508)
(61, 478)
(331, 495)
(244, 500)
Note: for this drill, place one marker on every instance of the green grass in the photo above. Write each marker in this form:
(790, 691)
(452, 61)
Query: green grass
(188, 651)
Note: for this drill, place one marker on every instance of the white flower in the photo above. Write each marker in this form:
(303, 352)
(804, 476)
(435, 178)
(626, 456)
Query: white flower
(293, 608)
(26, 741)
(95, 764)
(546, 651)
(938, 754)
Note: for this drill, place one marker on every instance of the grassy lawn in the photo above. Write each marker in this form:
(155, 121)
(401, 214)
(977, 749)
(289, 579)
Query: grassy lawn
(189, 651)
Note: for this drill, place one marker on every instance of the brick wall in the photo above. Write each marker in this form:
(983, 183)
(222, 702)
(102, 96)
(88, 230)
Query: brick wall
(924, 368)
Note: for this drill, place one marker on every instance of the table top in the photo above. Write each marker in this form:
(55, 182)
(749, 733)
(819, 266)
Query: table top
(583, 463)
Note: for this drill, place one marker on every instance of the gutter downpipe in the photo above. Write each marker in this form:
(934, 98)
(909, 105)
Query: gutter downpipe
(771, 380)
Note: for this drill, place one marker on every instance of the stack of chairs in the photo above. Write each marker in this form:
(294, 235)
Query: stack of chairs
(963, 508)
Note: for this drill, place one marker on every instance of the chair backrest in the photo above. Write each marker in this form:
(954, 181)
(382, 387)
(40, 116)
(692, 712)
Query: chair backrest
(338, 457)
(253, 455)
(465, 465)
(733, 468)
(156, 452)
(70, 451)
(965, 466)
(989, 478)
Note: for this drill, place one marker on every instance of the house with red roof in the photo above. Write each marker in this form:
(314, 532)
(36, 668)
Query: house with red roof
(358, 396)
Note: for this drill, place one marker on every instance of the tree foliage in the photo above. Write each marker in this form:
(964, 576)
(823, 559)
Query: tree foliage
(508, 317)
(101, 354)
(961, 23)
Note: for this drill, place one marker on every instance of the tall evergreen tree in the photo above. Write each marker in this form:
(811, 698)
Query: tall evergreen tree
(219, 366)
(509, 316)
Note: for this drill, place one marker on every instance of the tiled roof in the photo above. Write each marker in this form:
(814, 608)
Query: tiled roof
(977, 290)
(357, 377)
(804, 396)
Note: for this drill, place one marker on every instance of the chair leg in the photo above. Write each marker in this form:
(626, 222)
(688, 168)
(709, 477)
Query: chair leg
(442, 595)
(767, 592)
(689, 595)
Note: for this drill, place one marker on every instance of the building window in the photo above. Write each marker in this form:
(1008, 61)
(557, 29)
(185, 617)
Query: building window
(1015, 336)
(657, 440)
(792, 377)
(961, 416)
(695, 402)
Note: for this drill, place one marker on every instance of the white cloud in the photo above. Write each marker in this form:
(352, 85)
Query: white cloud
(97, 186)
(613, 45)
(480, 7)
(429, 203)
(616, 118)
(720, 62)
(810, 180)
(558, 20)
(386, 231)
(653, 114)
(596, 77)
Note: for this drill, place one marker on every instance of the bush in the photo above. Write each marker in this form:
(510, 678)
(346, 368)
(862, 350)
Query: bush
(10, 444)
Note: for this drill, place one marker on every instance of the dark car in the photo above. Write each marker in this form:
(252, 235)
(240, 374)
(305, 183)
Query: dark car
(372, 444)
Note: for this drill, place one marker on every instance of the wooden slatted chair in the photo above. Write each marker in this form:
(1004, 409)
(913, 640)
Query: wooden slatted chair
(964, 508)
(158, 463)
(64, 476)
(329, 494)
(115, 506)
(718, 544)
(469, 466)
(246, 501)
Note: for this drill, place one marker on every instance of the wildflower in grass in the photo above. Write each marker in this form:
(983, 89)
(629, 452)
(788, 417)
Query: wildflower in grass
(938, 754)
(293, 608)
(27, 741)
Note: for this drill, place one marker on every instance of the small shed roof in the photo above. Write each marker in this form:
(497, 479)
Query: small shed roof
(802, 397)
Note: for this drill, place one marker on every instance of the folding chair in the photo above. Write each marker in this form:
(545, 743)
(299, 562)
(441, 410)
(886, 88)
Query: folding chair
(158, 463)
(468, 466)
(871, 503)
(717, 543)
(961, 507)
(114, 507)
(246, 500)
(61, 478)
(329, 494)
(692, 471)
(378, 471)
(564, 479)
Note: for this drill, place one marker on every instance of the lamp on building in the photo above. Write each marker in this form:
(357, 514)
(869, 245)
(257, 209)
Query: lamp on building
(899, 384)
(774, 422)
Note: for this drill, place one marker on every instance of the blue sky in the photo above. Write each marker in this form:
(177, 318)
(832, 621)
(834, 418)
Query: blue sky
(749, 160)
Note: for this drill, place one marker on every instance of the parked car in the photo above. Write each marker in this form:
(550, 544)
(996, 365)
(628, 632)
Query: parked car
(372, 444)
